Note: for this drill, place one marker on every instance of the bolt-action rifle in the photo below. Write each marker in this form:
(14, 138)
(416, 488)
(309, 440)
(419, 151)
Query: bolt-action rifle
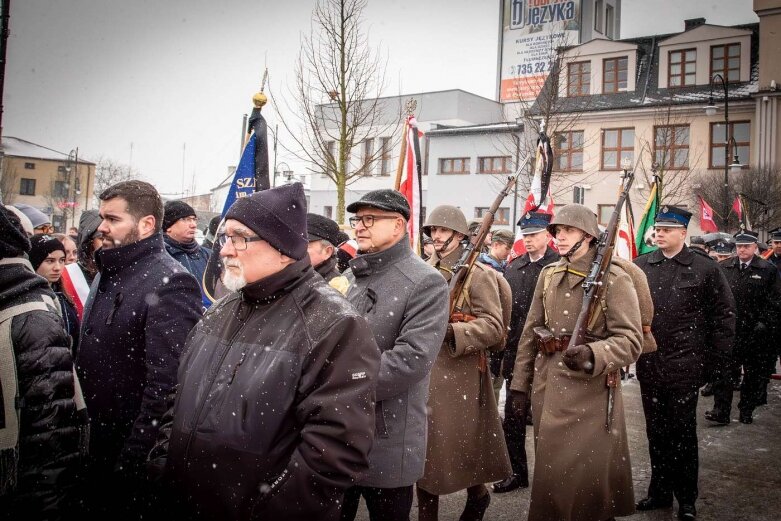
(594, 287)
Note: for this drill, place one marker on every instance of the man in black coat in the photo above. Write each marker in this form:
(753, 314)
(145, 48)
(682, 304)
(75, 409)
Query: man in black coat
(43, 441)
(756, 285)
(142, 305)
(694, 327)
(522, 274)
(274, 415)
(775, 244)
(324, 236)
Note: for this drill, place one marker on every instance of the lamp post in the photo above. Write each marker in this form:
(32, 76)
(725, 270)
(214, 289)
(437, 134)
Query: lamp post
(284, 170)
(710, 110)
(72, 167)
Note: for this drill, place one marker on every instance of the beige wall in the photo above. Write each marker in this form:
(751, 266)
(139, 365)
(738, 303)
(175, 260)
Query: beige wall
(595, 52)
(768, 105)
(602, 186)
(45, 174)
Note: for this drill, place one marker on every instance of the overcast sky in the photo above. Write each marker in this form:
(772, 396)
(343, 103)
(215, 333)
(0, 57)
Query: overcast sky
(179, 74)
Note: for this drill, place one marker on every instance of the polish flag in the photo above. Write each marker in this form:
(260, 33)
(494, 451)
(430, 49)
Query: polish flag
(625, 239)
(75, 286)
(737, 207)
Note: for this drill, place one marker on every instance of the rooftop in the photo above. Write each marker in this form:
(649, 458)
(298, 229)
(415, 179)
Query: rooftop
(17, 147)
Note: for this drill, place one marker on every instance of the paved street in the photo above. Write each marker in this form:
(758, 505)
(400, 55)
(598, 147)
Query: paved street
(740, 468)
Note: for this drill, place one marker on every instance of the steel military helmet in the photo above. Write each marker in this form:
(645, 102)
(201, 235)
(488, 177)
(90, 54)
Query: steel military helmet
(577, 216)
(446, 216)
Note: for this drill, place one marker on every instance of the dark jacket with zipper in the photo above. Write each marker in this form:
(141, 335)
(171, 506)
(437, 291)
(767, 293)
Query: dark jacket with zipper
(193, 257)
(52, 435)
(274, 414)
(142, 305)
(694, 320)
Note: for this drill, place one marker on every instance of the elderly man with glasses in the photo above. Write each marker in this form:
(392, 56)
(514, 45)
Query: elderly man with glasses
(274, 414)
(405, 302)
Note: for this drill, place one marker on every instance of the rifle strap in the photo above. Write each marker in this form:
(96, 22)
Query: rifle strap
(463, 298)
(566, 269)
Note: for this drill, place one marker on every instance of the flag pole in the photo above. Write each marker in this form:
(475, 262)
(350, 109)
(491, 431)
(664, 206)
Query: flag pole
(402, 157)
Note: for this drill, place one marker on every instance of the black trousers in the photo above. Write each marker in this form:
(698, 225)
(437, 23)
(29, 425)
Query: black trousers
(753, 389)
(514, 427)
(671, 426)
(384, 504)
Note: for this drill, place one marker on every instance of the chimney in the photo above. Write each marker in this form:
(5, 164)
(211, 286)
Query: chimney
(691, 23)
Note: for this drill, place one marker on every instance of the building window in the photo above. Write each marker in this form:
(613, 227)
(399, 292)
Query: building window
(29, 166)
(328, 211)
(62, 170)
(27, 187)
(385, 160)
(502, 215)
(454, 165)
(740, 131)
(604, 213)
(60, 189)
(671, 146)
(617, 144)
(579, 83)
(366, 157)
(578, 195)
(682, 68)
(569, 151)
(610, 20)
(725, 60)
(599, 8)
(614, 74)
(493, 165)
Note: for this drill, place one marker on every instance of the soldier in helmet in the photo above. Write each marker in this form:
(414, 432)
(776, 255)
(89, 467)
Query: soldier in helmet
(465, 447)
(582, 469)
(694, 326)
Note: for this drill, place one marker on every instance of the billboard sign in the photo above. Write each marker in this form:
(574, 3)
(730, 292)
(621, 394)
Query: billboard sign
(531, 32)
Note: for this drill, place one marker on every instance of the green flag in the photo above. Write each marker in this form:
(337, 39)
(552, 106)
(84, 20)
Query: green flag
(646, 226)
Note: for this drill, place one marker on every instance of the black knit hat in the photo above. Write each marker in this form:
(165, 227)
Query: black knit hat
(388, 200)
(13, 239)
(319, 227)
(175, 210)
(41, 245)
(278, 216)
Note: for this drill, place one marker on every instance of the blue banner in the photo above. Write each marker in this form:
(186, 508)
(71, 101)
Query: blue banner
(243, 183)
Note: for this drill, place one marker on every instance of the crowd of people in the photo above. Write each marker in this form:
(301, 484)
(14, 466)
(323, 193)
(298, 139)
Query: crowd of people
(332, 368)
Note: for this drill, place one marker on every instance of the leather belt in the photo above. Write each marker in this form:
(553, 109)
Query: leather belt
(553, 345)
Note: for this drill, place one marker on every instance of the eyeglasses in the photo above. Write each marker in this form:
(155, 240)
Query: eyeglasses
(368, 220)
(190, 219)
(239, 241)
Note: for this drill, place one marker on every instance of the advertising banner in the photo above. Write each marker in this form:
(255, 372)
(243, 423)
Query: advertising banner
(531, 32)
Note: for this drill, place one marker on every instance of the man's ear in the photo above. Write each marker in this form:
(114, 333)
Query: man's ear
(146, 225)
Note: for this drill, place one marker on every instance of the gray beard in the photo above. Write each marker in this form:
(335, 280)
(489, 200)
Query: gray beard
(233, 282)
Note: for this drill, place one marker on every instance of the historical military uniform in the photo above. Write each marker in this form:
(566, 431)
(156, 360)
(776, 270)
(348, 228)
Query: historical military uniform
(582, 470)
(522, 274)
(756, 286)
(694, 324)
(465, 443)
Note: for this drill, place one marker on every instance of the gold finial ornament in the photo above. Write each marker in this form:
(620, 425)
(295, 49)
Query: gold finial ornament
(258, 100)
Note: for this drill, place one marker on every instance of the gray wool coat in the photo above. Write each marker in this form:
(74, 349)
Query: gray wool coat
(405, 302)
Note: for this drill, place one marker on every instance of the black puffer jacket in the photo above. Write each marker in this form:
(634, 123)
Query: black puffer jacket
(274, 414)
(52, 435)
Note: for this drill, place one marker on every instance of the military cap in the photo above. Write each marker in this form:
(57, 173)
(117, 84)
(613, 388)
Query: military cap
(534, 222)
(723, 247)
(775, 235)
(505, 236)
(697, 239)
(672, 217)
(385, 199)
(323, 228)
(746, 237)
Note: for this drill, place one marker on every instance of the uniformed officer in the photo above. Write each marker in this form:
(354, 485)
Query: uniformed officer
(522, 274)
(465, 444)
(697, 245)
(694, 325)
(582, 470)
(775, 244)
(722, 249)
(756, 286)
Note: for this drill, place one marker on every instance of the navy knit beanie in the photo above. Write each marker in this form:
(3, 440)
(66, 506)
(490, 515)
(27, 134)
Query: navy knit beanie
(278, 216)
(41, 245)
(175, 210)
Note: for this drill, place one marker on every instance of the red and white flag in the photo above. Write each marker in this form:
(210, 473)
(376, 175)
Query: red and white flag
(410, 185)
(737, 207)
(74, 284)
(542, 165)
(625, 238)
(707, 224)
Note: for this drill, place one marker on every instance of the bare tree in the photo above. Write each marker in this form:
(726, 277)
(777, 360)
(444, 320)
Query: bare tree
(9, 184)
(340, 125)
(760, 190)
(110, 172)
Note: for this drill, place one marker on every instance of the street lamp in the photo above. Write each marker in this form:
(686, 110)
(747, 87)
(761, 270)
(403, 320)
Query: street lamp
(71, 167)
(284, 170)
(729, 140)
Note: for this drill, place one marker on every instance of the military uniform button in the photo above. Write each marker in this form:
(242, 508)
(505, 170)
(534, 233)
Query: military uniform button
(566, 312)
(566, 294)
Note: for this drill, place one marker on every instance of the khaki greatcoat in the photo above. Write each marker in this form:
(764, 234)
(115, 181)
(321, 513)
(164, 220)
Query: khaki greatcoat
(582, 472)
(466, 445)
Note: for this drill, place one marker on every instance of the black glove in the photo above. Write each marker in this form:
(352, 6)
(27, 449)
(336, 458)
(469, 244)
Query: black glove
(579, 358)
(450, 338)
(519, 400)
